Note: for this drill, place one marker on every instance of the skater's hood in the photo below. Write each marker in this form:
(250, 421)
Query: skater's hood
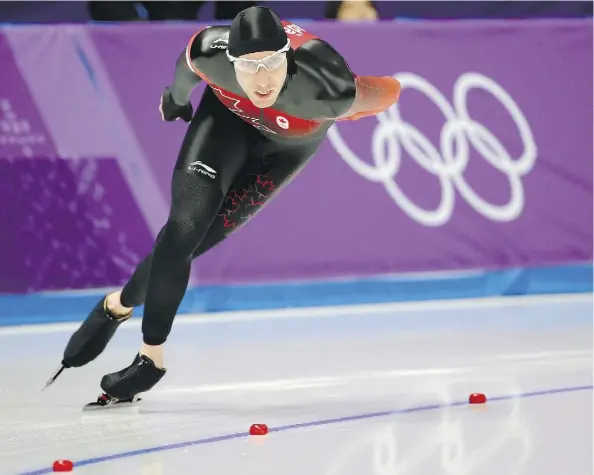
(256, 29)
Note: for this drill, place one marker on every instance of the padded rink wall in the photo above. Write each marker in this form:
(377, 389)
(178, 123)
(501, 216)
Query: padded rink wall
(478, 184)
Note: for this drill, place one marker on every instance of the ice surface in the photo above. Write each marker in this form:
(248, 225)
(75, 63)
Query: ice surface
(375, 390)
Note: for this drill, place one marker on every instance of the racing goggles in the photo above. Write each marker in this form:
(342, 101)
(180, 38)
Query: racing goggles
(269, 63)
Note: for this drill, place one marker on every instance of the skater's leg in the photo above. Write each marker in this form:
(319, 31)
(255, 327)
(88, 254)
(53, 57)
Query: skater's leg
(250, 186)
(196, 201)
(214, 151)
(260, 179)
(268, 169)
(133, 294)
(263, 176)
(206, 167)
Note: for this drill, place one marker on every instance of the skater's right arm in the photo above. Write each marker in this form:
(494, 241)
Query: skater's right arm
(202, 47)
(185, 80)
(175, 101)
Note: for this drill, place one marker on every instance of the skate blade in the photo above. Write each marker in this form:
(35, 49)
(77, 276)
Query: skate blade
(54, 376)
(106, 402)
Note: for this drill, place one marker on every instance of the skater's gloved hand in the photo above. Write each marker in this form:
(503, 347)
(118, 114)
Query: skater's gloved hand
(171, 111)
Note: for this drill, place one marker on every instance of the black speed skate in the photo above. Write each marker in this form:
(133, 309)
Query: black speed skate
(125, 386)
(91, 338)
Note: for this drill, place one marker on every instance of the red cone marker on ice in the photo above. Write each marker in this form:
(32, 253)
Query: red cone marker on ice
(63, 466)
(258, 429)
(477, 398)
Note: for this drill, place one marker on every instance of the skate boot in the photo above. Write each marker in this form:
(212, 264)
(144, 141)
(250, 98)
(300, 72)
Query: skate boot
(91, 338)
(126, 385)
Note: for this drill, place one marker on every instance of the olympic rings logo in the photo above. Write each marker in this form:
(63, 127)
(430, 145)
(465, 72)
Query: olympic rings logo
(393, 134)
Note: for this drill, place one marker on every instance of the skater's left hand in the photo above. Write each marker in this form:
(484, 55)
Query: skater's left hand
(170, 111)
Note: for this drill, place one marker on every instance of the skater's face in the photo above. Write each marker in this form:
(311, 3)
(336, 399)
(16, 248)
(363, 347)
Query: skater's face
(262, 75)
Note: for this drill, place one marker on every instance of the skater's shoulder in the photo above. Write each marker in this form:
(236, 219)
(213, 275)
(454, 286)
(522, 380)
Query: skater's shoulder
(206, 53)
(323, 75)
(209, 41)
(319, 60)
(319, 49)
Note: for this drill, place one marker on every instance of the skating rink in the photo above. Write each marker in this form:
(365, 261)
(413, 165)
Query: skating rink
(369, 390)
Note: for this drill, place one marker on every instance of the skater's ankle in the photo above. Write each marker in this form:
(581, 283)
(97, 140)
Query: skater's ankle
(114, 305)
(154, 352)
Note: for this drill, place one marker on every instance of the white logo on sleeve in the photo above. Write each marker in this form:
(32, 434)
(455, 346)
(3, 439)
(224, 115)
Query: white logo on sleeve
(200, 167)
(220, 43)
(292, 29)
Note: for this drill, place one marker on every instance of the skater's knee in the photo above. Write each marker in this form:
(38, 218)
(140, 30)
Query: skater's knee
(183, 235)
